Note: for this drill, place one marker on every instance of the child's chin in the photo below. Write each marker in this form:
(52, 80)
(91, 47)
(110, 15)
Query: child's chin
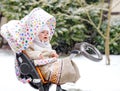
(45, 40)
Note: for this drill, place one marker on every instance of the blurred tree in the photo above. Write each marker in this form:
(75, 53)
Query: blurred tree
(77, 21)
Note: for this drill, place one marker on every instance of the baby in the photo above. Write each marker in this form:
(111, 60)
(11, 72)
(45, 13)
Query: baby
(42, 52)
(54, 69)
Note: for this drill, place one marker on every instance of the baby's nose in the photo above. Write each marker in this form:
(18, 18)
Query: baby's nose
(46, 34)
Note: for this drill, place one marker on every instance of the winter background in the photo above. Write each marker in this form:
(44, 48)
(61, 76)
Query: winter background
(95, 76)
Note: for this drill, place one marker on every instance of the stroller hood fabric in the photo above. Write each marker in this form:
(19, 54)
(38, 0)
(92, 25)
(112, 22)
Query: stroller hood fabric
(21, 33)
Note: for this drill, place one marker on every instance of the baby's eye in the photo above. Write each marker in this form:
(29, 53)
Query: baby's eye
(42, 32)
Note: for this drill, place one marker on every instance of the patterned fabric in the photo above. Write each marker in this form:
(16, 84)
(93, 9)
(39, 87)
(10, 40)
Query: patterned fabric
(43, 61)
(16, 37)
(21, 33)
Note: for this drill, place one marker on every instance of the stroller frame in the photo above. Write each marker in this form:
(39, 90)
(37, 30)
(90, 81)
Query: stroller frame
(29, 70)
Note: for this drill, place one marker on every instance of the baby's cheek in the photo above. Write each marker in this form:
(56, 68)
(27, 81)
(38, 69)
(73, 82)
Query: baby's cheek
(41, 38)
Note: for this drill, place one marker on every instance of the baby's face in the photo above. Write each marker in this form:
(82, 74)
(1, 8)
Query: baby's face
(44, 36)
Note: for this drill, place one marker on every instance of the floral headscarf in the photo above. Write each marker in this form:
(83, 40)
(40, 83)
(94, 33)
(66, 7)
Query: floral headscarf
(21, 33)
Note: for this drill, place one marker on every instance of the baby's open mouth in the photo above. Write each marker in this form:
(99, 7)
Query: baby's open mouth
(45, 37)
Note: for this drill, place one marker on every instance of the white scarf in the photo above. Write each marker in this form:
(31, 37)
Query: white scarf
(40, 44)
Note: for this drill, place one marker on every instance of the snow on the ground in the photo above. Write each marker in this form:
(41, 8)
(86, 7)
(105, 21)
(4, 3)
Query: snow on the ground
(95, 76)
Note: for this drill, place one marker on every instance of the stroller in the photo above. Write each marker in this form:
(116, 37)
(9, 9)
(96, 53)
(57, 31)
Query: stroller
(20, 40)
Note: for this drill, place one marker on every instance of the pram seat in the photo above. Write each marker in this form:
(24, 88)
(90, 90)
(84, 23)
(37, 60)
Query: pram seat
(28, 70)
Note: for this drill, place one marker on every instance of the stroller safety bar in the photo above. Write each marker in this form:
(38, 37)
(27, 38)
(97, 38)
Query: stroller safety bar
(74, 53)
(85, 49)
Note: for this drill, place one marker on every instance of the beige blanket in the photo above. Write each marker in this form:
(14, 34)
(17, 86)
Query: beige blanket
(61, 71)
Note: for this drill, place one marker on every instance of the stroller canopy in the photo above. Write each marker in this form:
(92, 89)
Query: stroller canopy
(21, 33)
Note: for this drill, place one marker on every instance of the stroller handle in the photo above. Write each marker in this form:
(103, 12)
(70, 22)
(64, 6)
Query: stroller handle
(82, 48)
